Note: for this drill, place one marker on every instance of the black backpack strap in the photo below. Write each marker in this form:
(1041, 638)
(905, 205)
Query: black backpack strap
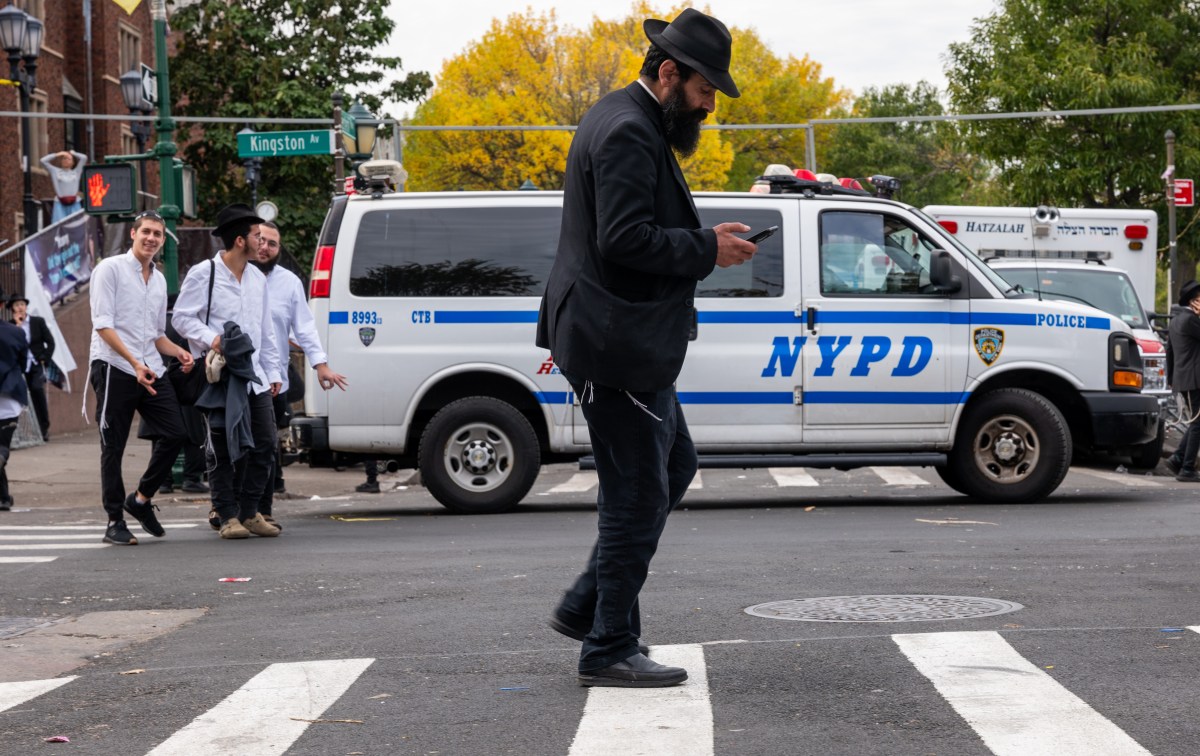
(212, 278)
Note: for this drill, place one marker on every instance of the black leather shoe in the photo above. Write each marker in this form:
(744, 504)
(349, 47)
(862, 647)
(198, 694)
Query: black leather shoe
(1173, 465)
(1188, 476)
(635, 672)
(559, 626)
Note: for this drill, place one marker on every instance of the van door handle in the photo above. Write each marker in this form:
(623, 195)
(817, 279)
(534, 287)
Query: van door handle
(810, 320)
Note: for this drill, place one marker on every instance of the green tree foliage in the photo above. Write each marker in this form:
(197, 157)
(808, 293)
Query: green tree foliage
(278, 59)
(528, 70)
(1057, 55)
(927, 156)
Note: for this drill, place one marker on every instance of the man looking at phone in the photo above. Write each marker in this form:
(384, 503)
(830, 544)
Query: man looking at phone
(616, 316)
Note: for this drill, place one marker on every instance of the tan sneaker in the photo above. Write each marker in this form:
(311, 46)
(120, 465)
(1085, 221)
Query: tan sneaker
(231, 528)
(260, 527)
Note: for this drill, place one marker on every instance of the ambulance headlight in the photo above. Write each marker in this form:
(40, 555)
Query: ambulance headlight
(1124, 363)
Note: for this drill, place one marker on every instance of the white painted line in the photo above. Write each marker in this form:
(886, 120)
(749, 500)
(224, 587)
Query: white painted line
(792, 476)
(16, 693)
(697, 483)
(899, 476)
(1194, 628)
(26, 559)
(1017, 709)
(257, 718)
(97, 528)
(47, 546)
(55, 537)
(676, 721)
(1133, 481)
(580, 481)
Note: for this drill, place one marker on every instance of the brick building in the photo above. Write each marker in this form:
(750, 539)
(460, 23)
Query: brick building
(77, 72)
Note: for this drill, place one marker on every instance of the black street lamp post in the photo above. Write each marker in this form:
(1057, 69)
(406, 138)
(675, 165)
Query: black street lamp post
(21, 38)
(361, 146)
(131, 92)
(253, 168)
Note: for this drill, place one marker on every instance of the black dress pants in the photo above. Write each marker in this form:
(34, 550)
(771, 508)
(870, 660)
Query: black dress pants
(118, 396)
(1189, 445)
(35, 379)
(8, 427)
(645, 460)
(237, 486)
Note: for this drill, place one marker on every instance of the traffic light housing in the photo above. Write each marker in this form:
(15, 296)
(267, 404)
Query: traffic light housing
(109, 189)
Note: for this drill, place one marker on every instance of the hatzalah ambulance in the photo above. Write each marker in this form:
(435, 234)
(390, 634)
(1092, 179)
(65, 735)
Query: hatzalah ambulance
(861, 334)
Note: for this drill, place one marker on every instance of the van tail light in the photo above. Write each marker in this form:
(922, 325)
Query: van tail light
(322, 269)
(1137, 231)
(949, 225)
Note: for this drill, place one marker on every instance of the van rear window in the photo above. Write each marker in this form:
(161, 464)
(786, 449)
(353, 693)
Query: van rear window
(455, 252)
(763, 275)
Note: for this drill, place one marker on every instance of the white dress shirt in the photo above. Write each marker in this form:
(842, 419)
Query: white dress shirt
(28, 340)
(290, 315)
(134, 307)
(245, 302)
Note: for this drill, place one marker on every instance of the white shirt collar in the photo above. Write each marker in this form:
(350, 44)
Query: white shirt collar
(649, 91)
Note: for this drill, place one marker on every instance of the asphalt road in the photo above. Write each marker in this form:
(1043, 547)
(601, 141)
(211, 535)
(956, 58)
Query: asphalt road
(403, 629)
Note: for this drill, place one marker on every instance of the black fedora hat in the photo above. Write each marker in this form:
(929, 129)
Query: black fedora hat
(21, 298)
(234, 213)
(700, 41)
(1189, 291)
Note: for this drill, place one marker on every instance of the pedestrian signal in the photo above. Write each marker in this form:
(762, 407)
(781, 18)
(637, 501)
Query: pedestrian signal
(109, 189)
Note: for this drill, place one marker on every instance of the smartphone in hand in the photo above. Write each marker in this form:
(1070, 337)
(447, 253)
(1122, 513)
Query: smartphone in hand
(763, 235)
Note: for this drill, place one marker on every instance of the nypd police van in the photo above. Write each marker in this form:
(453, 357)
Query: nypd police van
(861, 334)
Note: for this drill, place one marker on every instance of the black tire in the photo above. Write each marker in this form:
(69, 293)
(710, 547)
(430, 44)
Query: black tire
(1012, 446)
(1147, 456)
(478, 455)
(949, 476)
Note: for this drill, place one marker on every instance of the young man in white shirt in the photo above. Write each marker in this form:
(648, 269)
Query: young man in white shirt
(239, 295)
(129, 319)
(289, 315)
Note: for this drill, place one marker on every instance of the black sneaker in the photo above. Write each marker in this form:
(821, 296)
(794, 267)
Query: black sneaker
(166, 488)
(371, 486)
(1173, 464)
(5, 505)
(119, 535)
(144, 514)
(194, 486)
(1188, 476)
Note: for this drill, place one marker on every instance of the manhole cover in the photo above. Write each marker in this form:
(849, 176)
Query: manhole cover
(883, 608)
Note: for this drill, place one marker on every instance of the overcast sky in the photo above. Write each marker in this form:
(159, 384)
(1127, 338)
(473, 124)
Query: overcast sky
(860, 43)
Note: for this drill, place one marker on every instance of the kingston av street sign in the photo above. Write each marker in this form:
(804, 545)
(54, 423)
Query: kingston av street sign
(283, 143)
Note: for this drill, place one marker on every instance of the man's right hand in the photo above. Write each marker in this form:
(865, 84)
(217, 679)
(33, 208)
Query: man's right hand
(216, 345)
(146, 377)
(731, 249)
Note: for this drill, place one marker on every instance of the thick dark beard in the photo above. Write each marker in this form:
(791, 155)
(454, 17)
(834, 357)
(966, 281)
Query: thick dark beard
(265, 267)
(682, 125)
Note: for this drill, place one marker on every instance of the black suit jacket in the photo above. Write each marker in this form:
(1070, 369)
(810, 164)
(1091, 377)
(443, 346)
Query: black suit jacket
(618, 304)
(13, 348)
(41, 341)
(1183, 349)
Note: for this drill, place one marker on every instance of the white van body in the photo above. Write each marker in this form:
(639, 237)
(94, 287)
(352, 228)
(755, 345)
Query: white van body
(851, 339)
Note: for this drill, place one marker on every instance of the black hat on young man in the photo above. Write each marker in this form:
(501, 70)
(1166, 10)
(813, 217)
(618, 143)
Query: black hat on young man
(702, 42)
(235, 213)
(1189, 291)
(21, 298)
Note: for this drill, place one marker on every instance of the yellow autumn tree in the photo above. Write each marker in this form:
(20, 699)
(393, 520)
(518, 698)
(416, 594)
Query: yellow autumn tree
(527, 70)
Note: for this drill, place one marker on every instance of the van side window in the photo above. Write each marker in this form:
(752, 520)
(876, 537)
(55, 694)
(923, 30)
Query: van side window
(763, 275)
(455, 252)
(873, 254)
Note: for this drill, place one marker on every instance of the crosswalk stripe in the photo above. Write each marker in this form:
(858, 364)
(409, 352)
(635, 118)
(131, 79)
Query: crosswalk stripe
(261, 717)
(93, 528)
(47, 546)
(1016, 708)
(697, 483)
(1194, 628)
(899, 476)
(792, 476)
(16, 693)
(26, 559)
(55, 537)
(676, 721)
(580, 481)
(1133, 481)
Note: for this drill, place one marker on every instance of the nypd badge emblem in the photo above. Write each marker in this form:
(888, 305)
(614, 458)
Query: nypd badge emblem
(988, 343)
(366, 335)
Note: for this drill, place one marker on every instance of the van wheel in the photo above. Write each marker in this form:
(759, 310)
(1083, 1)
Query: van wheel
(950, 477)
(1147, 456)
(1012, 446)
(478, 456)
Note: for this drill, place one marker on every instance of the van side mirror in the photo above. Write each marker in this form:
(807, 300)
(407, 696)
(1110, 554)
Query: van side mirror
(941, 272)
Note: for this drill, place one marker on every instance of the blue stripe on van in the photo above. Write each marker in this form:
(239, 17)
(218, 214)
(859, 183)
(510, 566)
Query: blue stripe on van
(339, 317)
(786, 397)
(484, 316)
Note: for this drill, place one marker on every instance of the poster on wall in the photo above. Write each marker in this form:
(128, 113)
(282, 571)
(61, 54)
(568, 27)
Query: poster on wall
(63, 256)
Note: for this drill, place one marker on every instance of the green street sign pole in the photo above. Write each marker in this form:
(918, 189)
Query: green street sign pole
(165, 148)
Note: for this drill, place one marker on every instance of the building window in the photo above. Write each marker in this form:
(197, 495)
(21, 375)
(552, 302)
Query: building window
(130, 41)
(73, 128)
(35, 8)
(39, 137)
(128, 142)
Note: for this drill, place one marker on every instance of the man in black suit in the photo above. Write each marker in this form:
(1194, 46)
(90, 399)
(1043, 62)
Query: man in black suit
(14, 350)
(616, 316)
(41, 349)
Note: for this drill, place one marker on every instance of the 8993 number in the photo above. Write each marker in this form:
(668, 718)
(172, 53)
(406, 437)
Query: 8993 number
(365, 317)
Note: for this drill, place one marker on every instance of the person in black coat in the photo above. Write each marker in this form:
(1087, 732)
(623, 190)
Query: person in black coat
(1183, 373)
(13, 395)
(41, 350)
(616, 316)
